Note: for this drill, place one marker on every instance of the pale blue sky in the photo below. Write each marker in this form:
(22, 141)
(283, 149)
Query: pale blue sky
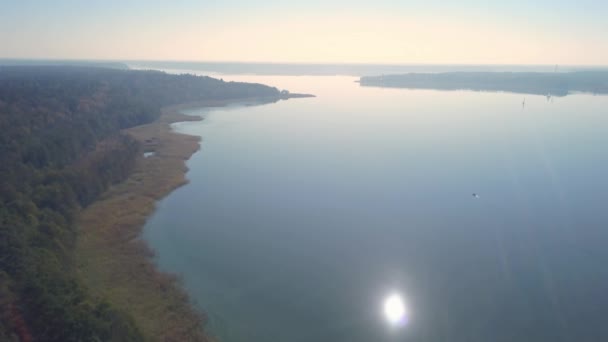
(382, 31)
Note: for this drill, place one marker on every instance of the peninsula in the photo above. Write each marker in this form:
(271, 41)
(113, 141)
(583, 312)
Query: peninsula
(76, 191)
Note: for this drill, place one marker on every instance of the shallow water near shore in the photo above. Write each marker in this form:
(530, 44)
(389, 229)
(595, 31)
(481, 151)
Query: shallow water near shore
(302, 216)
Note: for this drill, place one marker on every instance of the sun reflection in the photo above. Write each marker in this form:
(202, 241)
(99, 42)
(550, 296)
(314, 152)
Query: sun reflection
(395, 310)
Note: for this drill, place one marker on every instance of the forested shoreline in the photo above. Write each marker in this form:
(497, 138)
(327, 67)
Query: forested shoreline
(61, 146)
(534, 83)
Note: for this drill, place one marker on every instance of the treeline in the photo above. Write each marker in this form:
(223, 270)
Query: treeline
(536, 83)
(60, 147)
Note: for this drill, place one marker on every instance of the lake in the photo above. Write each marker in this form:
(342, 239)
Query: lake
(301, 217)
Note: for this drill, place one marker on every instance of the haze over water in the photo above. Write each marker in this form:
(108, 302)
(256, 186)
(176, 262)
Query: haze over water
(302, 216)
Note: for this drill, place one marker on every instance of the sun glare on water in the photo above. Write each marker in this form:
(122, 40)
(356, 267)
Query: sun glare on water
(395, 310)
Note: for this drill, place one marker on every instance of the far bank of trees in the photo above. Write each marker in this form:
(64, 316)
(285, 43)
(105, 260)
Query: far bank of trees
(536, 83)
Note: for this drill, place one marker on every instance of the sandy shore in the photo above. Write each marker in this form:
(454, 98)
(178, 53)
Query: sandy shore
(113, 259)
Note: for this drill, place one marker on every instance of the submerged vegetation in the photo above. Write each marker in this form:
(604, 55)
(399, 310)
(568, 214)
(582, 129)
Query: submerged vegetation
(62, 145)
(536, 83)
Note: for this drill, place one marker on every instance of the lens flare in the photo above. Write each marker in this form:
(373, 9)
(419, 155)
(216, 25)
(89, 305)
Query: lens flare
(395, 311)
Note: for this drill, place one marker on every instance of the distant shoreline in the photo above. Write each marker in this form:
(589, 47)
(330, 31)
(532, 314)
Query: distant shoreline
(345, 69)
(533, 83)
(114, 260)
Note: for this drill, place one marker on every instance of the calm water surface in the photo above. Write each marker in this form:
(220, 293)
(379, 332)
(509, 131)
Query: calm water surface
(303, 215)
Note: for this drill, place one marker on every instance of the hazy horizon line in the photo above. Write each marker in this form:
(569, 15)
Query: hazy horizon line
(67, 59)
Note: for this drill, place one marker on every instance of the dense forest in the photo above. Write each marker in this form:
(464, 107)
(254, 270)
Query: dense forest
(536, 83)
(61, 146)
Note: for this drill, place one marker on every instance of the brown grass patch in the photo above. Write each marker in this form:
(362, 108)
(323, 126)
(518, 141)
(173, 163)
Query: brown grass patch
(115, 263)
